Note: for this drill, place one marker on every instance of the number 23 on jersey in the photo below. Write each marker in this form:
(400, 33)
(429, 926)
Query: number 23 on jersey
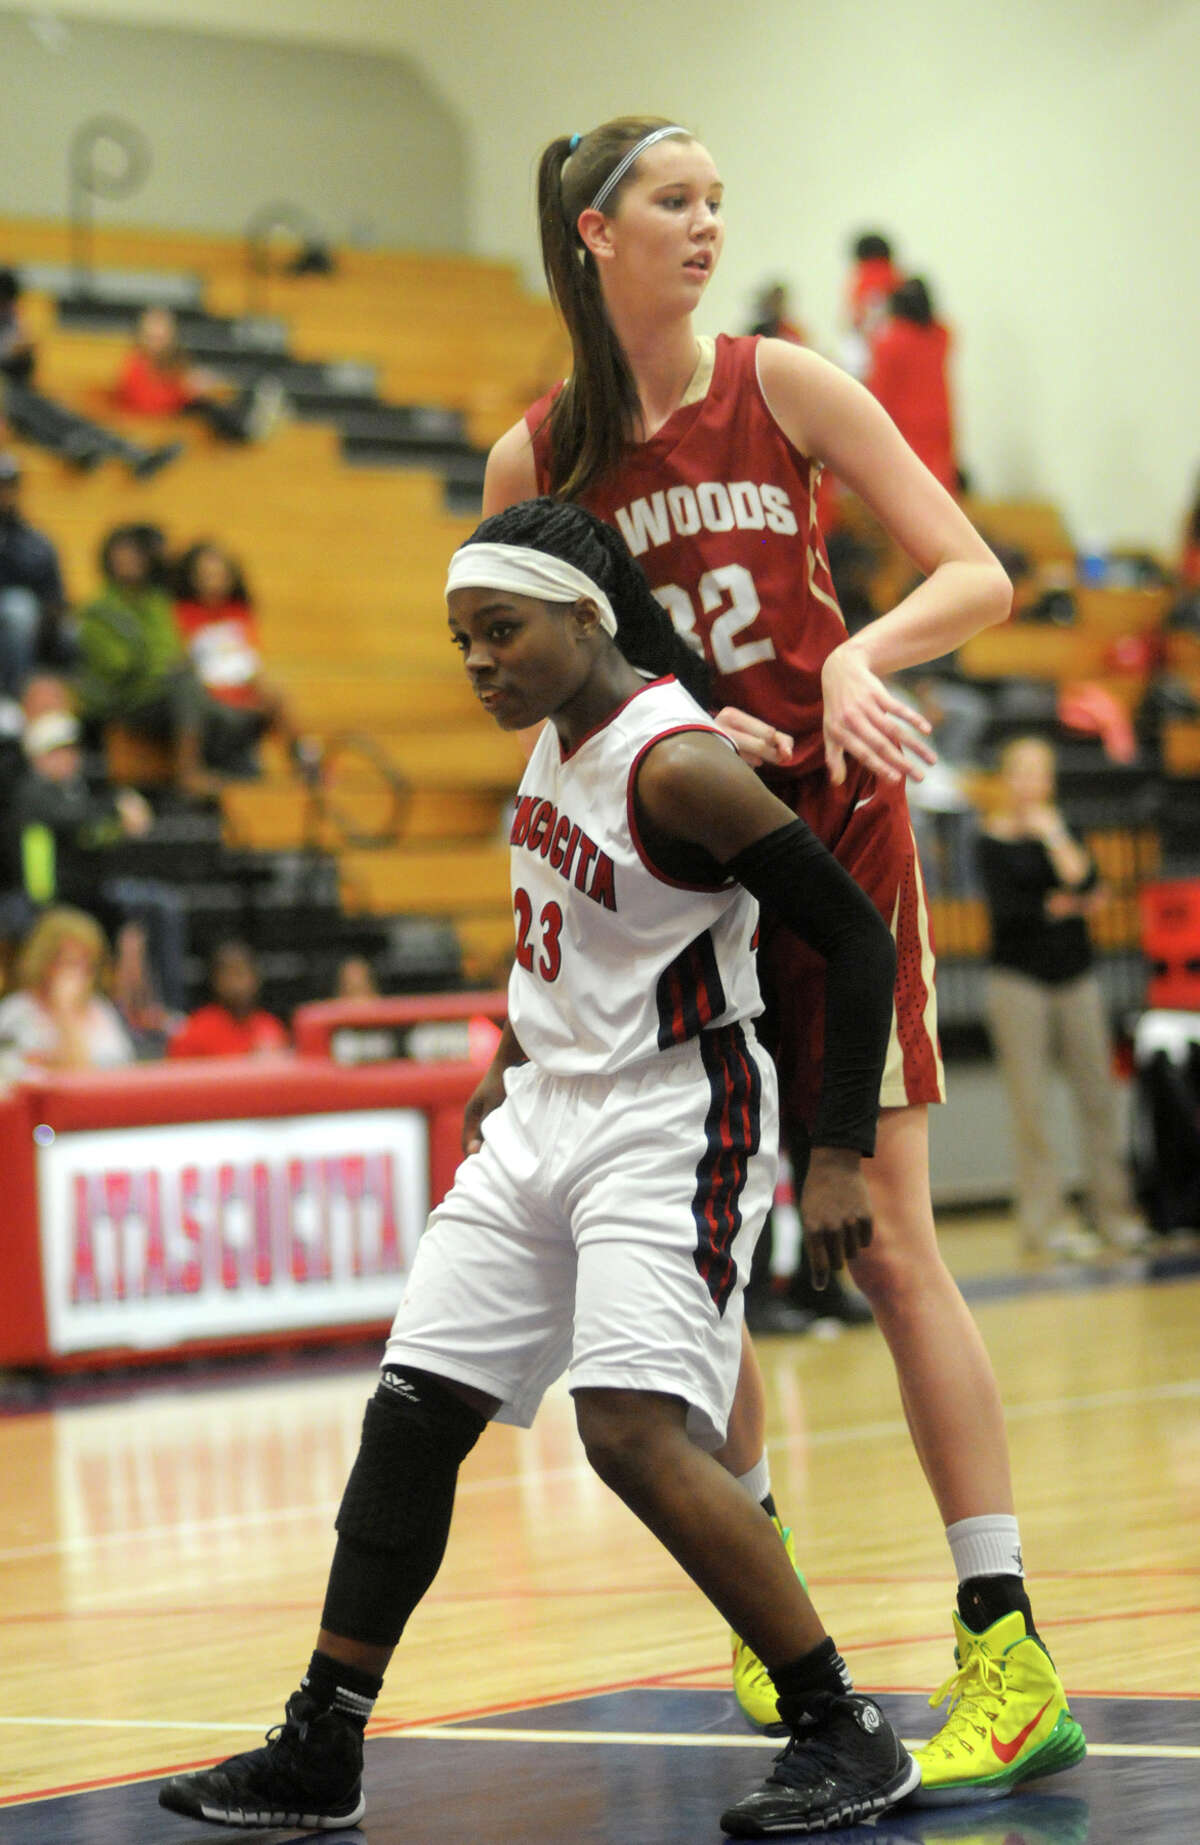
(539, 948)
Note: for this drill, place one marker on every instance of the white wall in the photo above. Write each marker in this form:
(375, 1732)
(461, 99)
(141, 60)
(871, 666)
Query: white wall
(1036, 161)
(233, 124)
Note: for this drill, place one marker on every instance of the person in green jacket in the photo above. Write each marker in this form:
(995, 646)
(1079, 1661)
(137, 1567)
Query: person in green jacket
(133, 669)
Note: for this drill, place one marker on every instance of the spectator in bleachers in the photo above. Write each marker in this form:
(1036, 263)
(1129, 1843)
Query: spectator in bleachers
(355, 979)
(66, 831)
(216, 619)
(233, 1024)
(133, 668)
(773, 316)
(49, 425)
(16, 342)
(872, 281)
(158, 379)
(58, 1018)
(33, 628)
(908, 373)
(1189, 561)
(1045, 1005)
(135, 993)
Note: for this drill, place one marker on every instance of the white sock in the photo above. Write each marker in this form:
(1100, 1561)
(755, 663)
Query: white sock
(758, 1481)
(987, 1546)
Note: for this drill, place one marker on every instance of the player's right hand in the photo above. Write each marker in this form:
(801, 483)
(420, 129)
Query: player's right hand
(486, 1097)
(835, 1210)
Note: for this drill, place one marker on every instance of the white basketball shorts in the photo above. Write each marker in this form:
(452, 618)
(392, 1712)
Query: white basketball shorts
(607, 1227)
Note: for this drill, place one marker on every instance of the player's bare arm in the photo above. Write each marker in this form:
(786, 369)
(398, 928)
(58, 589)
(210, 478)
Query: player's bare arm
(490, 1091)
(511, 474)
(829, 415)
(693, 788)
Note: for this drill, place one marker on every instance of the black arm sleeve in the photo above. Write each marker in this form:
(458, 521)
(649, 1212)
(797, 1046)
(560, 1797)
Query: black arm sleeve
(792, 874)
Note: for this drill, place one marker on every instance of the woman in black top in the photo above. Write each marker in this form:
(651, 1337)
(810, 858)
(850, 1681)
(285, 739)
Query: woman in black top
(1045, 1005)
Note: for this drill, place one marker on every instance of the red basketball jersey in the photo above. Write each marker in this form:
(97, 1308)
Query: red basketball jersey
(720, 511)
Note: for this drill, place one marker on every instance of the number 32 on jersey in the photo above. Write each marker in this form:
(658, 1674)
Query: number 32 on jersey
(728, 594)
(539, 948)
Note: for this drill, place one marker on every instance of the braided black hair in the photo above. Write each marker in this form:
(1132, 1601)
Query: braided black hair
(645, 634)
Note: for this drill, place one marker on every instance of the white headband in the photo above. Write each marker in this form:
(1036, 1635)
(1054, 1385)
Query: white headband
(635, 153)
(526, 573)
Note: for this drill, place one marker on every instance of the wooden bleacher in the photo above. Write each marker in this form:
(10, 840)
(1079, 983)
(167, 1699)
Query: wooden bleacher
(347, 564)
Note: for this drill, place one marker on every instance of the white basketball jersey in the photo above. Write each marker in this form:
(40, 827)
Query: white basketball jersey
(615, 961)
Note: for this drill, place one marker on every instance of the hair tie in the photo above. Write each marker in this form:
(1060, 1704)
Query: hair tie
(575, 140)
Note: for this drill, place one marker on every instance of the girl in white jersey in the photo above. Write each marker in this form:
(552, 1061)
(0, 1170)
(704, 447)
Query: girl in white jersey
(707, 456)
(624, 1161)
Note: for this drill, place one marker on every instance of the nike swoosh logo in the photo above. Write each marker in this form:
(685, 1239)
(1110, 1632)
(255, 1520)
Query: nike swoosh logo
(1006, 1751)
(866, 800)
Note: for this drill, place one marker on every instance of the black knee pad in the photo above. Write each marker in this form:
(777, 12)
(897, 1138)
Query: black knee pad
(416, 1434)
(394, 1518)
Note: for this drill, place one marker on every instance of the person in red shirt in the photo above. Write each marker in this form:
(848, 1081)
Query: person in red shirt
(1189, 562)
(218, 626)
(232, 1026)
(706, 455)
(908, 374)
(157, 380)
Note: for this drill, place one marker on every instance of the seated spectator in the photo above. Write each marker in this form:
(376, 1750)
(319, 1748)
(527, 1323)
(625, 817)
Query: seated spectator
(49, 425)
(217, 621)
(16, 344)
(158, 380)
(57, 1020)
(940, 804)
(908, 374)
(355, 979)
(773, 317)
(133, 669)
(65, 830)
(135, 994)
(1189, 562)
(33, 628)
(232, 1025)
(353, 1044)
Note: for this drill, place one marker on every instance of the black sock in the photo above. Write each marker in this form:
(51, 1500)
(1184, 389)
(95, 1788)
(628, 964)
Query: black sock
(335, 1686)
(823, 1670)
(983, 1600)
(767, 1502)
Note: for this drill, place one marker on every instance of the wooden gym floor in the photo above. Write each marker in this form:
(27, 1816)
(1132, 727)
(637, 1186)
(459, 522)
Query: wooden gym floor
(167, 1537)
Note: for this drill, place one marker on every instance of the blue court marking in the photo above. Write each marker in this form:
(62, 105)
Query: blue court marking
(1085, 1278)
(656, 1767)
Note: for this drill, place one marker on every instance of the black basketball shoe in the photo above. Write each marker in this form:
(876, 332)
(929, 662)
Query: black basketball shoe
(843, 1763)
(309, 1775)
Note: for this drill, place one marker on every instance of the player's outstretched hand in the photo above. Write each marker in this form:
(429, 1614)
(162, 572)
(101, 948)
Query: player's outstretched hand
(835, 1210)
(487, 1096)
(865, 720)
(755, 740)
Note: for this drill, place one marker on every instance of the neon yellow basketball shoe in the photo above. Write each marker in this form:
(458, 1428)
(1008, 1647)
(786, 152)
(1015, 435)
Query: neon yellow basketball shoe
(753, 1686)
(1008, 1720)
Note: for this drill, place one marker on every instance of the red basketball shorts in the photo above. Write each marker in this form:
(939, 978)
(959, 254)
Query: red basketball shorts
(865, 825)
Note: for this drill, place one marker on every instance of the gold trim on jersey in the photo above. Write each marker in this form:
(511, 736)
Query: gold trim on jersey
(701, 378)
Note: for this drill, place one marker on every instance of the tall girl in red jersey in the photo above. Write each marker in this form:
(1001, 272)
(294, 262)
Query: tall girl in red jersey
(707, 456)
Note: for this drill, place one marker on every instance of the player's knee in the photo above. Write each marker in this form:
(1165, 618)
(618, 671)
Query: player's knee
(619, 1435)
(892, 1273)
(416, 1433)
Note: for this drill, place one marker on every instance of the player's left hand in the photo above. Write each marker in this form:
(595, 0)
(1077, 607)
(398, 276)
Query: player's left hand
(756, 742)
(864, 720)
(835, 1210)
